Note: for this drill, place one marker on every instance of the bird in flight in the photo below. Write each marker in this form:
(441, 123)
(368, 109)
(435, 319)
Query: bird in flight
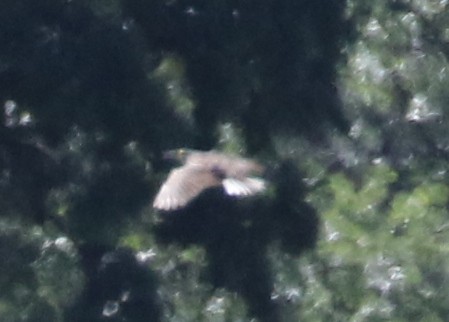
(202, 170)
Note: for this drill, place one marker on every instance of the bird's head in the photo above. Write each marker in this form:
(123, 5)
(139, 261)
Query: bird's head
(179, 155)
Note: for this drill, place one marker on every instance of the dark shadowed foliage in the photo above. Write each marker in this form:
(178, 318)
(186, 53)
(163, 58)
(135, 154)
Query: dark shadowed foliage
(119, 288)
(236, 234)
(344, 101)
(268, 65)
(83, 81)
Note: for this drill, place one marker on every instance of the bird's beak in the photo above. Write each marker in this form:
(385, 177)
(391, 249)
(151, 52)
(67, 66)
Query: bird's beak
(178, 155)
(170, 155)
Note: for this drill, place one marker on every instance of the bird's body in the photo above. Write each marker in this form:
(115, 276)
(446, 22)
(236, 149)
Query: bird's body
(203, 170)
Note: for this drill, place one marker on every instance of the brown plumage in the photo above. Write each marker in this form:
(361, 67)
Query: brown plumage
(203, 170)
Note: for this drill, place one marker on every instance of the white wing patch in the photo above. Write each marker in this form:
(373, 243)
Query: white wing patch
(243, 187)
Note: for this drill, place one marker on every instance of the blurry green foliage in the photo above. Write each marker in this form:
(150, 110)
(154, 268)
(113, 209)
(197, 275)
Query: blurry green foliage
(344, 101)
(379, 251)
(40, 273)
(172, 75)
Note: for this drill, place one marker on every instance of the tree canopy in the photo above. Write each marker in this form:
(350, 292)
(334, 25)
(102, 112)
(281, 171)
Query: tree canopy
(343, 101)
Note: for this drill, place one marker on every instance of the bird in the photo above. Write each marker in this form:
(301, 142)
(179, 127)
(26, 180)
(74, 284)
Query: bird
(201, 170)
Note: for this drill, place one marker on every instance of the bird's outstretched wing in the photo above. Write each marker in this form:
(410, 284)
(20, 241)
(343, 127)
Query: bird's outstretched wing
(246, 186)
(182, 185)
